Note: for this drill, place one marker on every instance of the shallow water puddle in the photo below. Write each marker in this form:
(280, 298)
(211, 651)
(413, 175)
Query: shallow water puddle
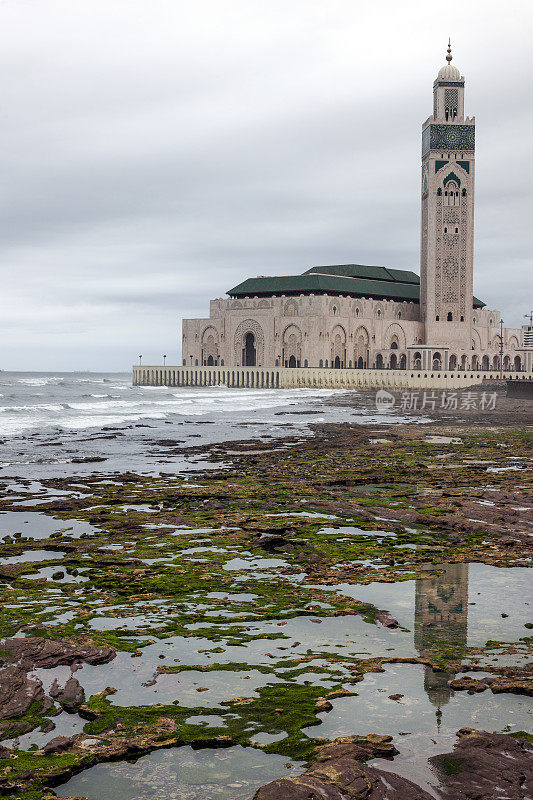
(61, 576)
(34, 555)
(464, 604)
(225, 774)
(33, 525)
(64, 725)
(423, 719)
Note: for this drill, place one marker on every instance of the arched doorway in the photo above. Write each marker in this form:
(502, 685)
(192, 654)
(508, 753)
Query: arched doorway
(517, 363)
(507, 363)
(496, 362)
(437, 360)
(393, 361)
(403, 362)
(360, 363)
(337, 363)
(292, 362)
(379, 361)
(418, 361)
(249, 350)
(485, 362)
(453, 362)
(210, 361)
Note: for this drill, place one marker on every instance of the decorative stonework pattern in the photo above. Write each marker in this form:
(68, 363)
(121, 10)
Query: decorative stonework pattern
(451, 98)
(448, 137)
(249, 326)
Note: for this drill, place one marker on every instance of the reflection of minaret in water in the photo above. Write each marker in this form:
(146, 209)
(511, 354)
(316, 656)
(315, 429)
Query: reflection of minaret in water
(441, 619)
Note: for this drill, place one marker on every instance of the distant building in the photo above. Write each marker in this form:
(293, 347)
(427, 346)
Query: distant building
(355, 316)
(527, 335)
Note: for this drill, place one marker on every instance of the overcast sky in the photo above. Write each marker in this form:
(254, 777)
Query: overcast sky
(157, 152)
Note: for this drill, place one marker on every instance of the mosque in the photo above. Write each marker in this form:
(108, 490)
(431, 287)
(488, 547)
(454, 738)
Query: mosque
(351, 316)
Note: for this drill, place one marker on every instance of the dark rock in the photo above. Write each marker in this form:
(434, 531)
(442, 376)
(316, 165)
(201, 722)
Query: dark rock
(468, 684)
(71, 697)
(34, 651)
(18, 691)
(485, 765)
(386, 619)
(513, 685)
(5, 752)
(338, 774)
(59, 744)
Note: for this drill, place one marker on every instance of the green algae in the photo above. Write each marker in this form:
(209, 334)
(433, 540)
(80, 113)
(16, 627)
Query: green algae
(351, 480)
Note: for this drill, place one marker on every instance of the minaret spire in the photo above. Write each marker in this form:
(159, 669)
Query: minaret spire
(449, 56)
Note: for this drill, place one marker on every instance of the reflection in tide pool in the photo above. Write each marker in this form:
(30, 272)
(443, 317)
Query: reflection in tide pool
(182, 774)
(423, 719)
(414, 703)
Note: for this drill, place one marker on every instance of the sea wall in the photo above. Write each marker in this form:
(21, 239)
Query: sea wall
(286, 378)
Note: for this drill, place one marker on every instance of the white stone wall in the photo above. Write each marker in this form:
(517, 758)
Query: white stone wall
(315, 330)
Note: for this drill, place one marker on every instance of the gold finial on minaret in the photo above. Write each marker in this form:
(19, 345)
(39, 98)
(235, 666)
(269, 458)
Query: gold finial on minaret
(449, 56)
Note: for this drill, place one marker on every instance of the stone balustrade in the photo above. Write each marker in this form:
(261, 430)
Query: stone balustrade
(314, 377)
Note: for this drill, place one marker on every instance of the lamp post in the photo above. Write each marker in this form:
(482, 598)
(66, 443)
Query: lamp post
(140, 360)
(501, 349)
(164, 361)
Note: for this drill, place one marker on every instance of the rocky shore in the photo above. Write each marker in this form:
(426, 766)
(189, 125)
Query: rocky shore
(246, 604)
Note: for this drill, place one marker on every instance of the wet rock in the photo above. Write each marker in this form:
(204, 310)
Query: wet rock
(386, 619)
(5, 752)
(338, 773)
(513, 685)
(18, 691)
(395, 696)
(70, 697)
(467, 684)
(485, 765)
(34, 651)
(59, 744)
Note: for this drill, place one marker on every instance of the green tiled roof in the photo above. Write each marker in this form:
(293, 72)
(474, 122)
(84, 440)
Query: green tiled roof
(355, 280)
(373, 273)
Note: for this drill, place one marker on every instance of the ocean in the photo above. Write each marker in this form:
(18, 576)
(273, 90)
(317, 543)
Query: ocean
(52, 424)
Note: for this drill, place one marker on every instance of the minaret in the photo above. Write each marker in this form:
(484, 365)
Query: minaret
(447, 229)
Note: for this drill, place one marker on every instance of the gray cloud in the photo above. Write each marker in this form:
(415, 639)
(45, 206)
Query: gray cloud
(156, 154)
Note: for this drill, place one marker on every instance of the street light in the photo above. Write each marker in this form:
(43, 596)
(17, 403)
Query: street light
(140, 359)
(501, 349)
(164, 360)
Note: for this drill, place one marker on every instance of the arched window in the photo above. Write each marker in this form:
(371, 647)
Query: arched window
(439, 192)
(464, 192)
(437, 318)
(450, 316)
(321, 363)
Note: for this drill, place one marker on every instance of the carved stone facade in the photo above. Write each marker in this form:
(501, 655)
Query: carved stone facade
(353, 317)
